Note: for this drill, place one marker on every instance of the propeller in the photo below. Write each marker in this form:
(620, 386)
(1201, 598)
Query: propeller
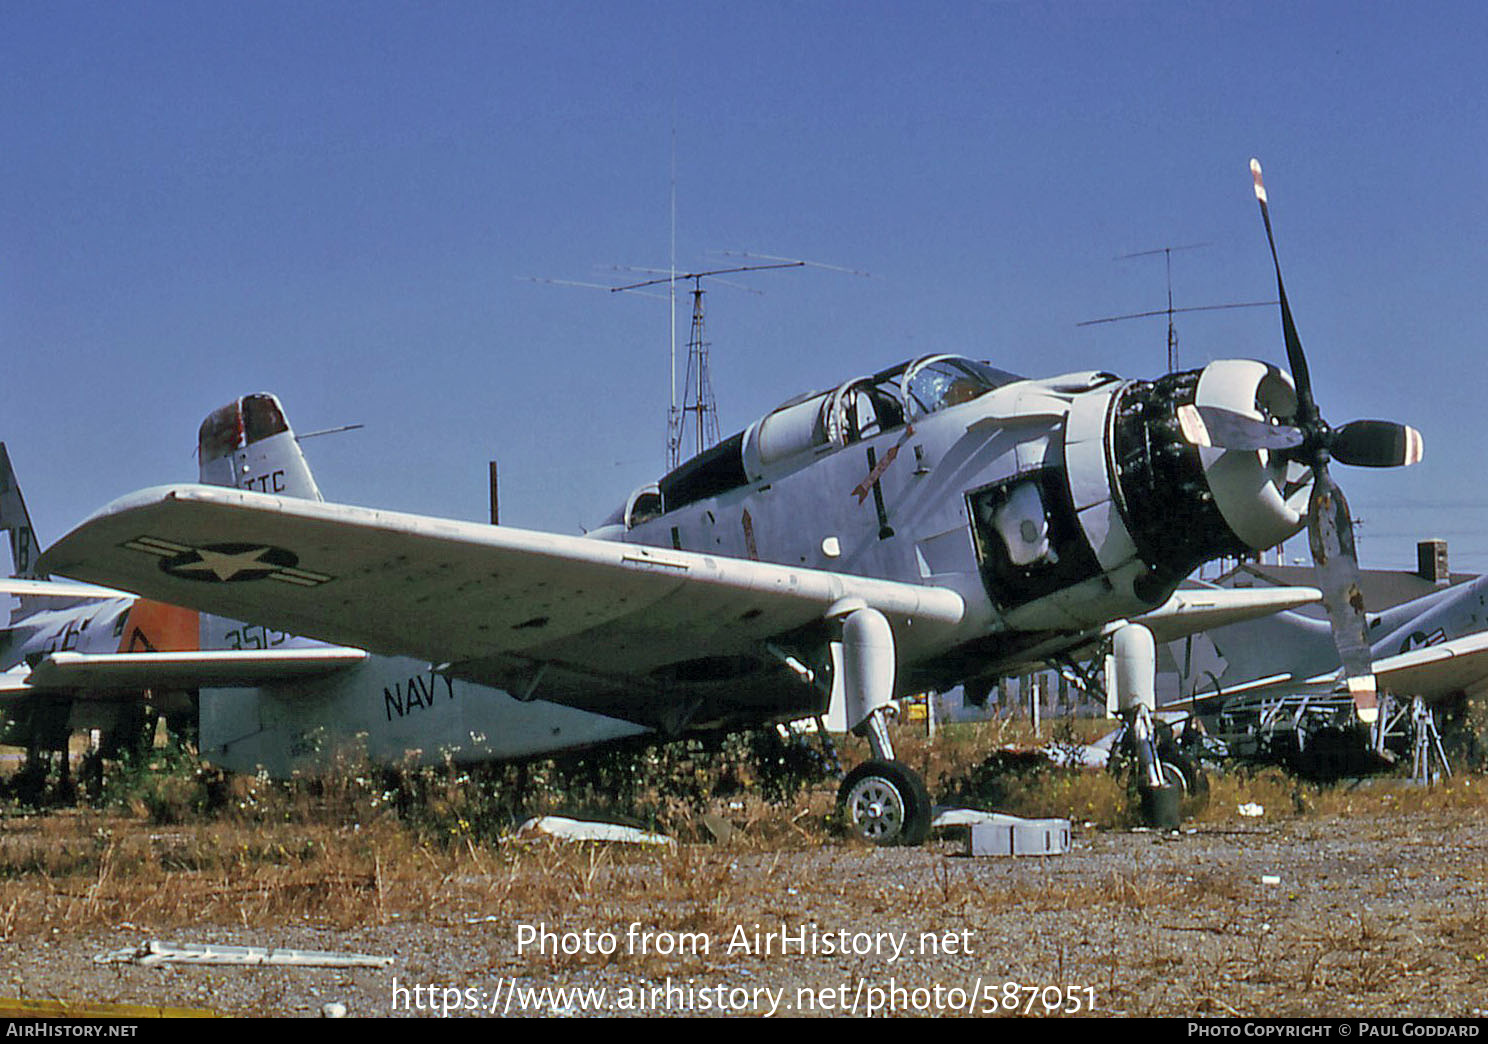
(1362, 443)
(1307, 438)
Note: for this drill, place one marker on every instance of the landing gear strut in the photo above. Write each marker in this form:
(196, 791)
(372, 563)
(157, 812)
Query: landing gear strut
(883, 800)
(1161, 783)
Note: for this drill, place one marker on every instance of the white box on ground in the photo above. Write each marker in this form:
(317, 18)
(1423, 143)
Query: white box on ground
(1010, 835)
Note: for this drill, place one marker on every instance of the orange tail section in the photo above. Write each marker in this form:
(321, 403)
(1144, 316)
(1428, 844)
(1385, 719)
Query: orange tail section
(154, 627)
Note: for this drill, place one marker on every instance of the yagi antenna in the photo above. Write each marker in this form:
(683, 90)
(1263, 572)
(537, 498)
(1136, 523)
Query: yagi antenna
(587, 286)
(808, 264)
(698, 402)
(1170, 311)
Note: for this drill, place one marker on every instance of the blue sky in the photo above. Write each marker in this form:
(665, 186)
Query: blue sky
(343, 204)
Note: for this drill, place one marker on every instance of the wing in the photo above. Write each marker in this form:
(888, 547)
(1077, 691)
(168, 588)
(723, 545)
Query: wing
(23, 588)
(1191, 610)
(125, 675)
(1187, 611)
(1436, 671)
(1432, 672)
(590, 621)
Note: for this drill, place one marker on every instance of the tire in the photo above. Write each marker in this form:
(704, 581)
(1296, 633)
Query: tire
(885, 802)
(1182, 771)
(1179, 770)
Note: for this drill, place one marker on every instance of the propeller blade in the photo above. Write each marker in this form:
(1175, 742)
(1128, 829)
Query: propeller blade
(1331, 534)
(1225, 429)
(1376, 444)
(1330, 529)
(1307, 410)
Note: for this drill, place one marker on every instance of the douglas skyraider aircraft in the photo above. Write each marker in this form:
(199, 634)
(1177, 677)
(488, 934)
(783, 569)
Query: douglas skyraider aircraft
(1268, 688)
(934, 523)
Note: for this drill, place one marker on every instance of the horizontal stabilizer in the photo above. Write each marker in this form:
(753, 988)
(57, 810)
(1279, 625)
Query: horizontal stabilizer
(130, 672)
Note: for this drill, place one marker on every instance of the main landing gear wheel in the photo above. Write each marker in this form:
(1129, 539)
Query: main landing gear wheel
(885, 802)
(1185, 786)
(1185, 791)
(1181, 771)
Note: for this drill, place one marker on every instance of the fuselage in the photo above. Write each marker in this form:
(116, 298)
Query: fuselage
(1052, 507)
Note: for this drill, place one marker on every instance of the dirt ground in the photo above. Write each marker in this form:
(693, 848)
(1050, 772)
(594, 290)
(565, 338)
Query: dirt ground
(1377, 914)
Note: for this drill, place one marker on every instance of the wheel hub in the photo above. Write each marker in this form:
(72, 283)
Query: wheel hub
(876, 808)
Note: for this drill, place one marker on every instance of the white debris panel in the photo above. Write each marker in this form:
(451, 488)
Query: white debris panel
(156, 952)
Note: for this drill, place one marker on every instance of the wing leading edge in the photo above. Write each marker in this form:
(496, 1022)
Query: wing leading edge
(1191, 610)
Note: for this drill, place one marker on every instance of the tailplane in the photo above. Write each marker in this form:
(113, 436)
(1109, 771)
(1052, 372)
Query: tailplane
(248, 444)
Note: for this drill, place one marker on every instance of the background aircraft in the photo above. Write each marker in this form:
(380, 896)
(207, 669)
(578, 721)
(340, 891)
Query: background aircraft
(58, 618)
(1271, 688)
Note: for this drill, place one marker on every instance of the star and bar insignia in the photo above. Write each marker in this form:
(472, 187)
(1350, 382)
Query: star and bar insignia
(228, 563)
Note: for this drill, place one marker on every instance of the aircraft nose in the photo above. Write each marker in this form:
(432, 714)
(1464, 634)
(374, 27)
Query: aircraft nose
(1262, 493)
(1186, 501)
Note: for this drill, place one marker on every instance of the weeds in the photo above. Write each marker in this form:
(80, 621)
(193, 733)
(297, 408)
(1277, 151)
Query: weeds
(172, 842)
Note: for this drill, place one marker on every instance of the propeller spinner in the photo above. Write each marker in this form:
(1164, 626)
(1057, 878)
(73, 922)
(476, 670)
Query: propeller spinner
(1307, 438)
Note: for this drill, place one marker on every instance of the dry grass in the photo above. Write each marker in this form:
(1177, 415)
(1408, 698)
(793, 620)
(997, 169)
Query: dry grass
(1282, 795)
(342, 854)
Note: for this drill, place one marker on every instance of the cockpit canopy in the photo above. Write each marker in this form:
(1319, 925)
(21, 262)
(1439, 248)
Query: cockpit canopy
(857, 409)
(865, 406)
(943, 381)
(239, 424)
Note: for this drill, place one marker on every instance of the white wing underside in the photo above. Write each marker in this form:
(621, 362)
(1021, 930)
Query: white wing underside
(124, 675)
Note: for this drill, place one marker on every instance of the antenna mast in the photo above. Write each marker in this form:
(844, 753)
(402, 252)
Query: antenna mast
(1170, 311)
(674, 419)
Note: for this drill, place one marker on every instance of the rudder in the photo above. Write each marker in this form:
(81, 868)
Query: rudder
(248, 444)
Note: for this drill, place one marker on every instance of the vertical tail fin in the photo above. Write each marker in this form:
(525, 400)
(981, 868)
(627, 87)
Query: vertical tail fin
(15, 518)
(248, 444)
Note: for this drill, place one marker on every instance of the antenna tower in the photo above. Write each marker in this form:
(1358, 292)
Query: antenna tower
(701, 403)
(698, 402)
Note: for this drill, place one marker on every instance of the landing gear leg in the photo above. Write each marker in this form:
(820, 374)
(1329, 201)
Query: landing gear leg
(1160, 798)
(883, 800)
(1135, 653)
